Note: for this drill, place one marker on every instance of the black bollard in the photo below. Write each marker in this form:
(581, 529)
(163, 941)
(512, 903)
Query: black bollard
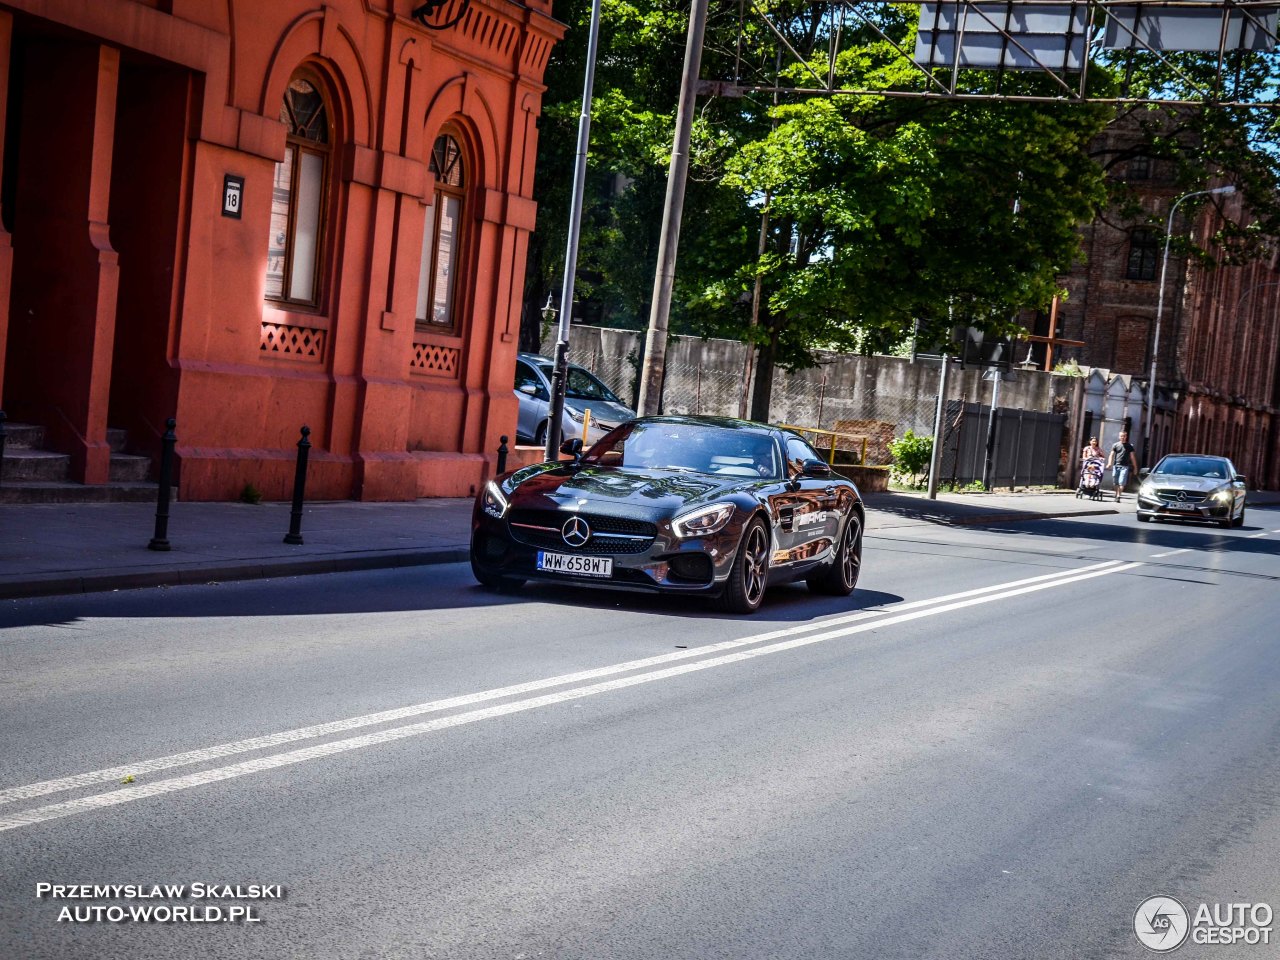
(160, 541)
(299, 489)
(502, 456)
(3, 434)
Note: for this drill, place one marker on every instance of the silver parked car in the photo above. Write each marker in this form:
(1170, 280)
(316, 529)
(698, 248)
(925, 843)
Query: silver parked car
(583, 392)
(1189, 486)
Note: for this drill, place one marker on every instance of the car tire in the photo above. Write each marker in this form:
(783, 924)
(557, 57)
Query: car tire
(841, 576)
(1144, 518)
(1239, 521)
(490, 580)
(540, 437)
(749, 576)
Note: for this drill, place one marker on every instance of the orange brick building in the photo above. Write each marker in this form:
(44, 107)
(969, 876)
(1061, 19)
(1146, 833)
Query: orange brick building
(253, 216)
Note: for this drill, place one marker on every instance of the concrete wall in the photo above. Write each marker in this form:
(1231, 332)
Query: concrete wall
(706, 377)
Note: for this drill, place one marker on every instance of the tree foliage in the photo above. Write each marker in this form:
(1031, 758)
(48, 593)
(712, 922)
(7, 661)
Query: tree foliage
(885, 215)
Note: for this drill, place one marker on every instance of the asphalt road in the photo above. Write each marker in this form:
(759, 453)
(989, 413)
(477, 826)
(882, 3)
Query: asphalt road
(1003, 743)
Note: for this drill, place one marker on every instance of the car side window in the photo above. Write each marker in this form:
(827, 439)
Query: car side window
(797, 453)
(525, 376)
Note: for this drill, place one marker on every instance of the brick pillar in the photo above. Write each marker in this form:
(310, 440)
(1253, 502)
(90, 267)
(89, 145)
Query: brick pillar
(6, 246)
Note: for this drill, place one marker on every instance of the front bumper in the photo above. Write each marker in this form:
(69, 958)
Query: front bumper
(663, 563)
(1207, 510)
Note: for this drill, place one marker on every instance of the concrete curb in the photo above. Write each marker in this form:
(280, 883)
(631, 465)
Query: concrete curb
(90, 582)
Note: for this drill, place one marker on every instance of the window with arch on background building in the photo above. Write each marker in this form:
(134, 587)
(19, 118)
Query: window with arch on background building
(299, 197)
(442, 238)
(1144, 252)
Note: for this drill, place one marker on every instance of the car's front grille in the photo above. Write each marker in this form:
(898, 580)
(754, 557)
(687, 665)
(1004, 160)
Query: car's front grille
(541, 528)
(1187, 496)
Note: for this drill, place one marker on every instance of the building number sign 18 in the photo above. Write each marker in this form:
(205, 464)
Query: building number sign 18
(232, 194)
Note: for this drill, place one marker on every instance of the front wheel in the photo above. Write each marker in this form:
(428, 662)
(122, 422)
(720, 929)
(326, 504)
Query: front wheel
(749, 576)
(1144, 518)
(490, 580)
(839, 579)
(1239, 521)
(540, 437)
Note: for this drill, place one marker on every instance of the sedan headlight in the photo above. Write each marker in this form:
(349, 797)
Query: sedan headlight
(493, 502)
(1147, 490)
(699, 523)
(1222, 495)
(573, 414)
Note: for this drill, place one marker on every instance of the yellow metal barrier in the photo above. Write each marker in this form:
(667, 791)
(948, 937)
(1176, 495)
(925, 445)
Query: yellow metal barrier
(805, 432)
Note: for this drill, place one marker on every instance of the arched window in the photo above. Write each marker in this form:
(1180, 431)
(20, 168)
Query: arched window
(299, 197)
(1144, 252)
(442, 238)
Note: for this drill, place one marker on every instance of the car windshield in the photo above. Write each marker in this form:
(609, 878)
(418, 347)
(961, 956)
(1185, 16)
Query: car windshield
(582, 385)
(1209, 467)
(691, 447)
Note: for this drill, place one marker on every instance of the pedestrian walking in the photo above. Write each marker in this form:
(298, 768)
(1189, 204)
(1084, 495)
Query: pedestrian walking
(1092, 450)
(1120, 460)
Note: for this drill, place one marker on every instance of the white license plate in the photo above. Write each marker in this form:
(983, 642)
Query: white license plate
(1180, 506)
(575, 564)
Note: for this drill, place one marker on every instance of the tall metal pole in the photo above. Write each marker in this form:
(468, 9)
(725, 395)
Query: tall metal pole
(655, 345)
(935, 457)
(988, 471)
(1155, 338)
(560, 372)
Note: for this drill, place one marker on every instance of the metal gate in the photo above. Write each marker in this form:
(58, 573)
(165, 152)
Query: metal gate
(1028, 446)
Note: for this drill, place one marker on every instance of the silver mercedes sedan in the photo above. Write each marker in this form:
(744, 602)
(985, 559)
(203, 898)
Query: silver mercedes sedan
(1188, 486)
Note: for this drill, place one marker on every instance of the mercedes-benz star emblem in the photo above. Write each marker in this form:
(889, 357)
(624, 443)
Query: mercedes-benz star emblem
(575, 532)
(1182, 495)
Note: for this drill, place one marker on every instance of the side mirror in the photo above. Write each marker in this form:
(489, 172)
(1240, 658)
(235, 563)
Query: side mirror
(528, 389)
(1144, 472)
(1240, 478)
(573, 447)
(815, 468)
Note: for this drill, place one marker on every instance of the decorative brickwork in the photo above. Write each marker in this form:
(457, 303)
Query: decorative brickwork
(294, 342)
(434, 360)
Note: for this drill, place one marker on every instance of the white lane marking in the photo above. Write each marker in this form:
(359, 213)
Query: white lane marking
(220, 751)
(1255, 536)
(142, 791)
(1172, 553)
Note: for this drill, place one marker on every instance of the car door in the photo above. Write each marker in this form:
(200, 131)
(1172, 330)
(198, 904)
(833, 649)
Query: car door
(532, 407)
(807, 518)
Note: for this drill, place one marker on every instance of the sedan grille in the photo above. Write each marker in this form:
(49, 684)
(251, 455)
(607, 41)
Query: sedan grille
(541, 528)
(1187, 496)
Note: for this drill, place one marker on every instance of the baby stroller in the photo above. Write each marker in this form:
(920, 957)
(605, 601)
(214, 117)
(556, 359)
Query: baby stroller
(1090, 479)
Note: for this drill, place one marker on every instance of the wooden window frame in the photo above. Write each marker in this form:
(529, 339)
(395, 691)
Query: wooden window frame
(460, 251)
(1145, 242)
(325, 150)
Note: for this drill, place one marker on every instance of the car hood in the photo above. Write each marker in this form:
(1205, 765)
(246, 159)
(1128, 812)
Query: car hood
(1174, 481)
(603, 410)
(610, 490)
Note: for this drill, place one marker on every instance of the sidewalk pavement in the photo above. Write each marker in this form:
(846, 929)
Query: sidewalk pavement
(83, 548)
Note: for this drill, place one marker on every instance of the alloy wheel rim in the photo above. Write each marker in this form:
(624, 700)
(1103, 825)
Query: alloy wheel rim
(850, 561)
(756, 558)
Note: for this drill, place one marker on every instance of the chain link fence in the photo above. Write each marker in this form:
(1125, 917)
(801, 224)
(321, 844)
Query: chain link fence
(867, 402)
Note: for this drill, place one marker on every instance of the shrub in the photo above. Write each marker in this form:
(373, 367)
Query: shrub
(911, 456)
(250, 494)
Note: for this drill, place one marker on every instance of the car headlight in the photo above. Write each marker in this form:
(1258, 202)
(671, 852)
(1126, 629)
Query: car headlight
(1223, 495)
(699, 523)
(1147, 490)
(573, 414)
(493, 502)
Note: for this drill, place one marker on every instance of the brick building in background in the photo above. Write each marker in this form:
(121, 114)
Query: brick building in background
(1219, 351)
(253, 216)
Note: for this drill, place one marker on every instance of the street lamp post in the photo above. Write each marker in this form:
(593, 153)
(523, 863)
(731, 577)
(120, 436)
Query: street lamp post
(1155, 339)
(560, 371)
